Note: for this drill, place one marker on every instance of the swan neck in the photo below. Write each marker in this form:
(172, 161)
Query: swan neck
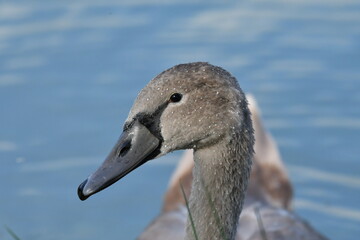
(220, 179)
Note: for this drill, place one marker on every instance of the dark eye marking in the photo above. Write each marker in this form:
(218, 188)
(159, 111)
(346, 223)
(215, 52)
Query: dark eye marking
(175, 97)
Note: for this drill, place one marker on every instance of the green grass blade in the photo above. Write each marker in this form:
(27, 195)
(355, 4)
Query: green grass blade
(12, 233)
(260, 223)
(188, 208)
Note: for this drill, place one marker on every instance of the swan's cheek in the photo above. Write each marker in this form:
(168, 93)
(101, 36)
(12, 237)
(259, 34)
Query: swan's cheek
(183, 138)
(184, 127)
(173, 138)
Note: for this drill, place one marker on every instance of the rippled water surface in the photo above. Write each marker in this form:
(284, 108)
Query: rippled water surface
(70, 70)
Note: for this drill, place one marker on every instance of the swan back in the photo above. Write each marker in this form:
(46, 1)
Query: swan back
(269, 181)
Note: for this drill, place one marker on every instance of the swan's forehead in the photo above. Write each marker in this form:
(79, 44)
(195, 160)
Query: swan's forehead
(201, 80)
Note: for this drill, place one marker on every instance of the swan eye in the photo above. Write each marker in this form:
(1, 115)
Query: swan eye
(175, 97)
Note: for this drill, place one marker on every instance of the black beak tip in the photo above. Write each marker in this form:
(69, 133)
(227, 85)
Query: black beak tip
(81, 192)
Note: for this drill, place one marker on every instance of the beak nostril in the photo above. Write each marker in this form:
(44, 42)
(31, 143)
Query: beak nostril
(124, 148)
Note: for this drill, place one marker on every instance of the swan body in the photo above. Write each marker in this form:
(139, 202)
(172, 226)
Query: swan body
(201, 107)
(269, 194)
(279, 224)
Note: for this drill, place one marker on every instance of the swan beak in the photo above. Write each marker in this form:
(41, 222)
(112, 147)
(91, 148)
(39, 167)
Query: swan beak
(135, 146)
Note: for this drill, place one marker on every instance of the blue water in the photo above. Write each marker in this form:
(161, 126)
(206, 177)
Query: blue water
(70, 70)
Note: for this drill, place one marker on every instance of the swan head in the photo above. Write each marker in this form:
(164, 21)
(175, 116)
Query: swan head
(192, 105)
